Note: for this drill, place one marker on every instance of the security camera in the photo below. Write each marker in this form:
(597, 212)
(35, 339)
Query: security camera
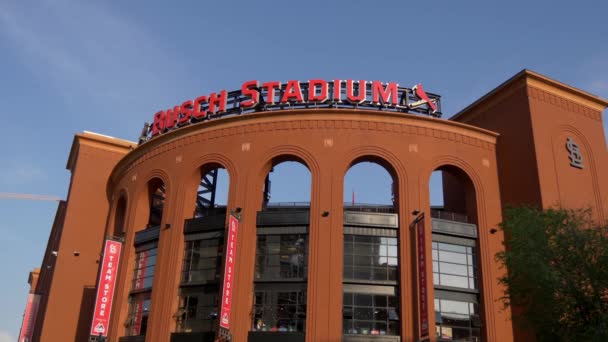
(54, 253)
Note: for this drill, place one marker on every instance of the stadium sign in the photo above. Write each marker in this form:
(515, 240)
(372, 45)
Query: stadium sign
(255, 96)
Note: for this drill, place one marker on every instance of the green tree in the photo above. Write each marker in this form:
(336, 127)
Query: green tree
(557, 273)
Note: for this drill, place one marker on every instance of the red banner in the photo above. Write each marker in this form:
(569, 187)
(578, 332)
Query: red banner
(423, 304)
(29, 318)
(142, 264)
(229, 272)
(105, 288)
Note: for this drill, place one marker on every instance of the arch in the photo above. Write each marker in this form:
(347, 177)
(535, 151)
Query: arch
(386, 167)
(373, 258)
(461, 170)
(285, 153)
(202, 245)
(282, 255)
(457, 254)
(120, 213)
(378, 155)
(599, 211)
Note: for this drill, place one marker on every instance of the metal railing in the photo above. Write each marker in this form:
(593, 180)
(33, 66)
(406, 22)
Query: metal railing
(370, 208)
(348, 206)
(449, 216)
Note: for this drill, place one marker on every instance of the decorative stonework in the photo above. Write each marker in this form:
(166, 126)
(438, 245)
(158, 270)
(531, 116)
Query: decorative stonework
(369, 125)
(565, 104)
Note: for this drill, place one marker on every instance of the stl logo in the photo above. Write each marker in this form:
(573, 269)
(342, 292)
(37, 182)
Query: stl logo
(424, 98)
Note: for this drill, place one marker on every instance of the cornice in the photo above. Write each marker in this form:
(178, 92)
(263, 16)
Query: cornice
(312, 119)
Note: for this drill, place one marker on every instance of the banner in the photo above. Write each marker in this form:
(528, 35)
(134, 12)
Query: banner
(142, 264)
(29, 318)
(233, 227)
(105, 288)
(423, 304)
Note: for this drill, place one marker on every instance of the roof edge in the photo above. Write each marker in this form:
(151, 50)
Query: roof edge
(98, 138)
(529, 74)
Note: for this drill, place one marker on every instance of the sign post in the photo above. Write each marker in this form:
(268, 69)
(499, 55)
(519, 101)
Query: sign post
(105, 290)
(423, 304)
(228, 278)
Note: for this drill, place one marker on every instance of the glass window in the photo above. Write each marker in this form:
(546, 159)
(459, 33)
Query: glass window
(370, 258)
(370, 314)
(280, 306)
(198, 311)
(454, 265)
(202, 260)
(139, 302)
(281, 257)
(457, 320)
(139, 311)
(279, 311)
(143, 273)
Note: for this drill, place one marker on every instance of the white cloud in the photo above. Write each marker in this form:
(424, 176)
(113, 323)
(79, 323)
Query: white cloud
(6, 337)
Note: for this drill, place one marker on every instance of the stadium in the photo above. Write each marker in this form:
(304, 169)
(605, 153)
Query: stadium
(141, 250)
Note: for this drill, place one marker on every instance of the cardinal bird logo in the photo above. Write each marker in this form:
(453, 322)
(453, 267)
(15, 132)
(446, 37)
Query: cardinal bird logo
(424, 99)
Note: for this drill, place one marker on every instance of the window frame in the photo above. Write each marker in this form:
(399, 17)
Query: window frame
(354, 226)
(266, 285)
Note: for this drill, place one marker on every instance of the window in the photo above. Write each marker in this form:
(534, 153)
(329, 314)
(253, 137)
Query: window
(371, 274)
(366, 313)
(278, 308)
(143, 274)
(139, 312)
(281, 268)
(202, 260)
(141, 290)
(146, 250)
(281, 257)
(198, 294)
(370, 258)
(454, 265)
(198, 308)
(456, 290)
(457, 319)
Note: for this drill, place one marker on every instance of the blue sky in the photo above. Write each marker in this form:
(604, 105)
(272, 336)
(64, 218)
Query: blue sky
(107, 66)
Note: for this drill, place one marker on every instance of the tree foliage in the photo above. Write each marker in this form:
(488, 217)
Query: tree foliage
(557, 273)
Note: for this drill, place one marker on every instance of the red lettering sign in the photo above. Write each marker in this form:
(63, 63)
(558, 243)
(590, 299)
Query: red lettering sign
(294, 94)
(227, 289)
(105, 288)
(423, 312)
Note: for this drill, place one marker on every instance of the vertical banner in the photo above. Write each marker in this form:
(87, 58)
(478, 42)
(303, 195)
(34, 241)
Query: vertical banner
(423, 304)
(227, 289)
(105, 288)
(140, 275)
(29, 318)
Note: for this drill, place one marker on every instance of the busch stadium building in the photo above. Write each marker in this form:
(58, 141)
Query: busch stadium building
(142, 251)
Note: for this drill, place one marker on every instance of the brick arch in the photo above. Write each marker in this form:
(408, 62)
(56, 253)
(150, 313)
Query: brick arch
(279, 154)
(592, 166)
(486, 294)
(275, 156)
(191, 177)
(122, 195)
